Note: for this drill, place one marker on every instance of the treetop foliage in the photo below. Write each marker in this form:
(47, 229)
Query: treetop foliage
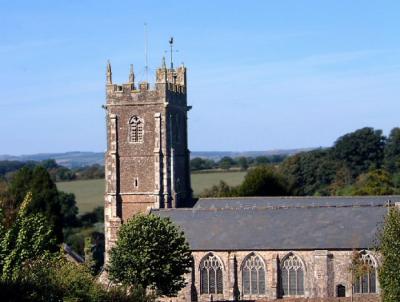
(150, 252)
(389, 247)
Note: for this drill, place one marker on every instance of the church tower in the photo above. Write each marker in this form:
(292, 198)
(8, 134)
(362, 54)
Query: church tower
(147, 159)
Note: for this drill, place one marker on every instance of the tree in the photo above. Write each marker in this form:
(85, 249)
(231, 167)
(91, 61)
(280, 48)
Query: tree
(392, 151)
(375, 182)
(243, 163)
(226, 163)
(220, 190)
(261, 160)
(389, 247)
(45, 196)
(199, 163)
(150, 252)
(263, 181)
(360, 150)
(310, 172)
(68, 208)
(30, 237)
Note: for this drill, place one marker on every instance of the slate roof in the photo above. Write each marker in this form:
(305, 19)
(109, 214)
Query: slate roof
(281, 223)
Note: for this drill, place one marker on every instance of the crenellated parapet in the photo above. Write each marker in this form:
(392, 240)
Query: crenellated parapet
(170, 86)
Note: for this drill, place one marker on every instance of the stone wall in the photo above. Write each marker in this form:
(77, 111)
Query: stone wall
(324, 271)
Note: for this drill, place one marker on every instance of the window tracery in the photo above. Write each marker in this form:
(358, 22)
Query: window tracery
(211, 276)
(366, 283)
(136, 129)
(253, 275)
(292, 276)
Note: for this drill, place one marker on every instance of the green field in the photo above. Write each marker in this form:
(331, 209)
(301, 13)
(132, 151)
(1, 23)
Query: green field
(90, 193)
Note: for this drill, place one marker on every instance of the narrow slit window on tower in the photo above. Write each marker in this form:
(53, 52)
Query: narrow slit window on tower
(136, 129)
(136, 183)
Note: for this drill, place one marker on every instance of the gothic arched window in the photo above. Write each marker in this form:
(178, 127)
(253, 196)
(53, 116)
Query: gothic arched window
(366, 282)
(253, 275)
(136, 129)
(211, 277)
(292, 276)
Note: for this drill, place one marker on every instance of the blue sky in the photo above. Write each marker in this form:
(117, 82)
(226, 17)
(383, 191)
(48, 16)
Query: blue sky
(262, 74)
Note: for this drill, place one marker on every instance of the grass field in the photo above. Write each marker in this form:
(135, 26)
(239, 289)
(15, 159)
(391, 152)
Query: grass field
(90, 193)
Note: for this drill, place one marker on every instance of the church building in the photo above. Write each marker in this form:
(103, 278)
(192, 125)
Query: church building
(260, 248)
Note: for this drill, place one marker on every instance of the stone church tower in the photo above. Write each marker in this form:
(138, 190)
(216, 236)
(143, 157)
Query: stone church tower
(147, 159)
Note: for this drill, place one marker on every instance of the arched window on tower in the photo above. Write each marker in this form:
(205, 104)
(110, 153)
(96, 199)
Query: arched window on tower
(292, 276)
(365, 283)
(211, 276)
(136, 129)
(253, 275)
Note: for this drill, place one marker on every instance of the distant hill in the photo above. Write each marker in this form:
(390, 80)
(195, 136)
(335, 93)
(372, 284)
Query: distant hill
(73, 159)
(78, 159)
(217, 155)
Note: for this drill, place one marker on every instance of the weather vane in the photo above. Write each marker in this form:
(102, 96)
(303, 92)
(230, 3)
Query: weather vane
(171, 46)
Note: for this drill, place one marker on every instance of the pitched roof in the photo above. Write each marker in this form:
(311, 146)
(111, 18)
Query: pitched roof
(281, 223)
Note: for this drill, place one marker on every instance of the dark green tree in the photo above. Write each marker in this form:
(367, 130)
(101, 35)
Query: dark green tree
(389, 247)
(20, 184)
(150, 252)
(222, 189)
(360, 150)
(45, 197)
(69, 210)
(261, 160)
(263, 181)
(392, 151)
(226, 162)
(243, 163)
(310, 173)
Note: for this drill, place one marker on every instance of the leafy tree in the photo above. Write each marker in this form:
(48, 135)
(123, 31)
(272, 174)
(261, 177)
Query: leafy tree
(7, 166)
(150, 252)
(57, 279)
(376, 182)
(310, 173)
(220, 190)
(243, 163)
(261, 160)
(226, 162)
(30, 237)
(360, 150)
(392, 151)
(68, 210)
(263, 181)
(45, 197)
(389, 247)
(20, 184)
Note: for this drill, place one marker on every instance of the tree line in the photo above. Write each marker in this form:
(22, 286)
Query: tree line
(363, 162)
(227, 162)
(57, 172)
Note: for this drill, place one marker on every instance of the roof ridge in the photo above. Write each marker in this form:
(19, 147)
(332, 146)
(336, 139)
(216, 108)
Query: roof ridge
(301, 197)
(214, 209)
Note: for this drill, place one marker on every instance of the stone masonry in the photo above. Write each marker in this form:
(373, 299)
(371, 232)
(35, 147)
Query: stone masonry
(147, 159)
(324, 271)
